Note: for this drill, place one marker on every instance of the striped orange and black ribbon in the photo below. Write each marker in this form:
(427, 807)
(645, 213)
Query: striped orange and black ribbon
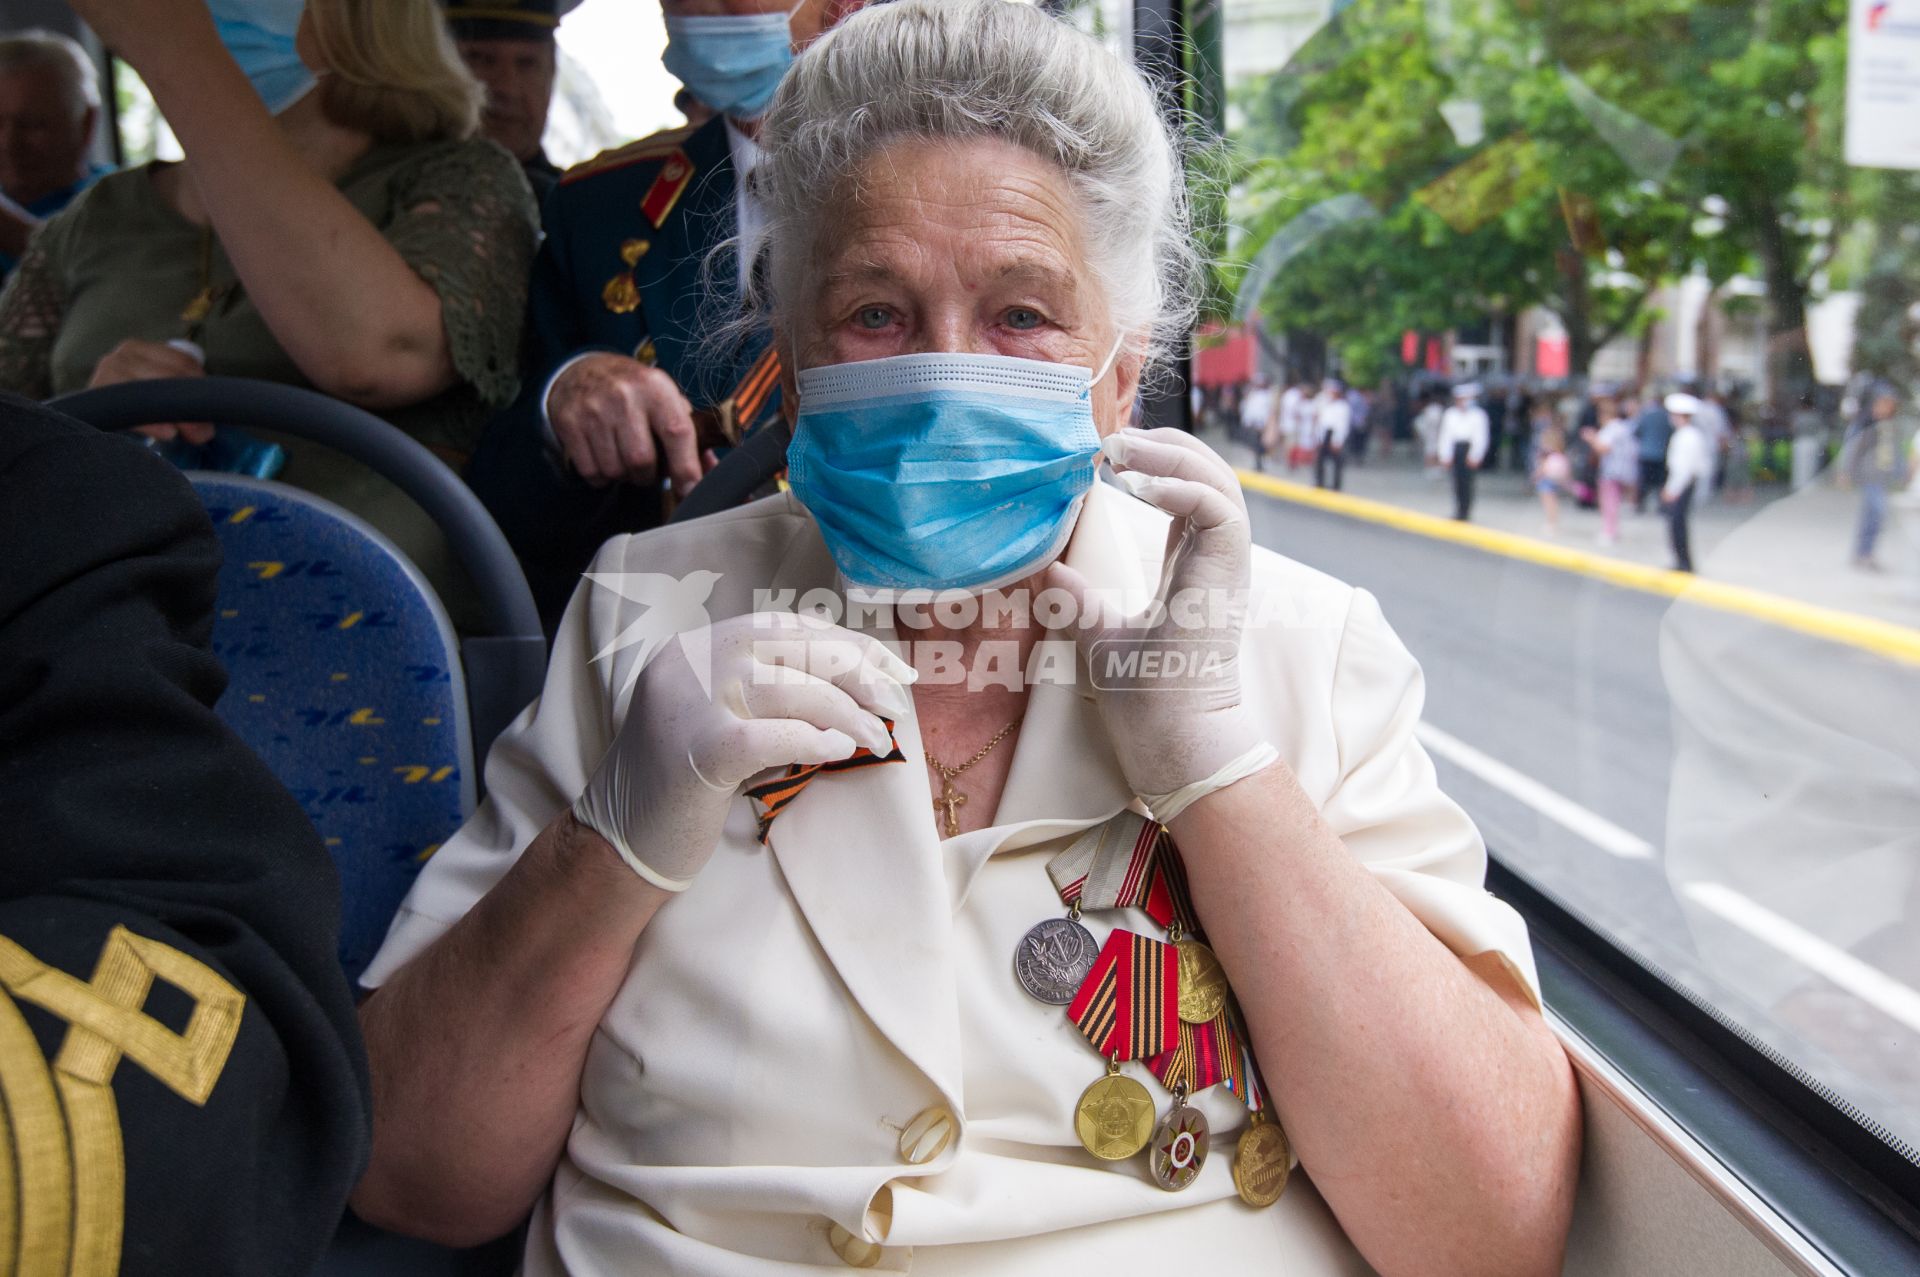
(1129, 1002)
(750, 396)
(1204, 1054)
(774, 796)
(1133, 862)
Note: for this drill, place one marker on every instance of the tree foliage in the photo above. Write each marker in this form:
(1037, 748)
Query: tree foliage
(1573, 154)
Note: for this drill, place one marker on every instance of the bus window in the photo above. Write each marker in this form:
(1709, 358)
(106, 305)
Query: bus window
(1517, 309)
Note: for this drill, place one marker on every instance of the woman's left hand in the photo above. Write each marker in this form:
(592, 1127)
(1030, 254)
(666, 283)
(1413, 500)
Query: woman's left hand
(1167, 679)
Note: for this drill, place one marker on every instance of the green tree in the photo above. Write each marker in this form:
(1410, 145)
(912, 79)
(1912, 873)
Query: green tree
(1574, 154)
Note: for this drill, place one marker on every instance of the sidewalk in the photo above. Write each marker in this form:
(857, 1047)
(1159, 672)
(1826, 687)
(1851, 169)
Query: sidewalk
(1797, 545)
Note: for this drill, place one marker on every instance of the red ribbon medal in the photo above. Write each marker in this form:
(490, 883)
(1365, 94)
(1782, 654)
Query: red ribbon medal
(1127, 1006)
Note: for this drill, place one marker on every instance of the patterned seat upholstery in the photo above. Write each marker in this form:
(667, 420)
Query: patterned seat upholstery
(344, 675)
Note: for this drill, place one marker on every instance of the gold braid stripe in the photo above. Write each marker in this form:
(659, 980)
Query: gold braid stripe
(64, 1209)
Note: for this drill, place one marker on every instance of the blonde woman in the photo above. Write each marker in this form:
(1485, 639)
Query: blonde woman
(336, 223)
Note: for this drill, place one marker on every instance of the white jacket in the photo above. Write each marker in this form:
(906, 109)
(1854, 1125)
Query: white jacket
(804, 1000)
(1689, 460)
(1467, 425)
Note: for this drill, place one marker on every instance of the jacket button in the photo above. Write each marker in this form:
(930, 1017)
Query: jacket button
(854, 1252)
(927, 1135)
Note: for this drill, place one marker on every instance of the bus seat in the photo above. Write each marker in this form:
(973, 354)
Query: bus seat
(505, 660)
(344, 676)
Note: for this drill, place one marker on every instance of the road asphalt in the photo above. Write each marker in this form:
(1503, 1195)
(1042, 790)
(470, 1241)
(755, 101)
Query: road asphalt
(1559, 700)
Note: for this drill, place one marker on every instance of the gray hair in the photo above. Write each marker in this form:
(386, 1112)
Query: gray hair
(953, 70)
(51, 51)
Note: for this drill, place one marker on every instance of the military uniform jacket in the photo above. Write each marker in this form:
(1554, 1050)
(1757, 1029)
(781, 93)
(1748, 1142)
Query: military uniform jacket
(742, 1104)
(625, 268)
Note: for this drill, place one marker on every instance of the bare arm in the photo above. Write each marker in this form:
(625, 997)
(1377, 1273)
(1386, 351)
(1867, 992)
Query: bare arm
(476, 1046)
(339, 299)
(1436, 1115)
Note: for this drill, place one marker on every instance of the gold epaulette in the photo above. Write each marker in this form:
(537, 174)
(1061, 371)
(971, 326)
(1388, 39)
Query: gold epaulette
(655, 146)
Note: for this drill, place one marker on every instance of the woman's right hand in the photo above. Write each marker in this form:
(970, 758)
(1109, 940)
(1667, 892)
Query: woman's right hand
(718, 706)
(137, 360)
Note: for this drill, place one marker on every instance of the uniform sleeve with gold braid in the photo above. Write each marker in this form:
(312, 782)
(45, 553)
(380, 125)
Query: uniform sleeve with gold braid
(181, 1082)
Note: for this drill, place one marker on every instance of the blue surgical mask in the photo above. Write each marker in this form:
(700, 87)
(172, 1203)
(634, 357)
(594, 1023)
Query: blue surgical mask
(944, 471)
(732, 62)
(259, 34)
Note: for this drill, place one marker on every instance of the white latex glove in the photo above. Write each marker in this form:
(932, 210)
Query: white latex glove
(1172, 734)
(786, 689)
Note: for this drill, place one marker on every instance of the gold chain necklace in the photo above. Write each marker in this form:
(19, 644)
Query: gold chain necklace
(950, 798)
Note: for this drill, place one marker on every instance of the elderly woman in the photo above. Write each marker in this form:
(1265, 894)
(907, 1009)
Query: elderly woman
(768, 956)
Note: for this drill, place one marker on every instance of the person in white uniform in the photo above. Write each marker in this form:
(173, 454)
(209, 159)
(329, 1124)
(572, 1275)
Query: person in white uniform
(1256, 413)
(1464, 438)
(1332, 422)
(752, 962)
(1689, 471)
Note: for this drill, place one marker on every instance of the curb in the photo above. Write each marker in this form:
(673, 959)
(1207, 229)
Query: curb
(1882, 638)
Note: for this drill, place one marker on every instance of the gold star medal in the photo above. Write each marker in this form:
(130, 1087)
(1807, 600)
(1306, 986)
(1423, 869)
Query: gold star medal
(1114, 1117)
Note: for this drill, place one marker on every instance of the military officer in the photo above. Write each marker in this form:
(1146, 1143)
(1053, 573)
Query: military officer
(623, 384)
(509, 46)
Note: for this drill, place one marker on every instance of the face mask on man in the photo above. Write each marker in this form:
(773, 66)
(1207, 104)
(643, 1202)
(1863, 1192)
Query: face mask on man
(259, 35)
(944, 471)
(732, 62)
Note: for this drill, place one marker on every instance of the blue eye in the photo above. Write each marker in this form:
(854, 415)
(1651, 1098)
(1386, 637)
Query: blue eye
(873, 317)
(1022, 319)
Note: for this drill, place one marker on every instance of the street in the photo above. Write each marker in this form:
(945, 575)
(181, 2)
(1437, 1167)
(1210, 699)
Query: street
(1554, 706)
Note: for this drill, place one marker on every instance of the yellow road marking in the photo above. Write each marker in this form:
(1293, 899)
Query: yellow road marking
(1882, 638)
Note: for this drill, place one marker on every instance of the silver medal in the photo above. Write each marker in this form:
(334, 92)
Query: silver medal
(1053, 958)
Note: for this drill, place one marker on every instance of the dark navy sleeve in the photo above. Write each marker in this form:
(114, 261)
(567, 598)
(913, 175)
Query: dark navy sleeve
(185, 1086)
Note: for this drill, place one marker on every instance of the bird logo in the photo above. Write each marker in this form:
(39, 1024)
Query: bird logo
(1877, 14)
(673, 607)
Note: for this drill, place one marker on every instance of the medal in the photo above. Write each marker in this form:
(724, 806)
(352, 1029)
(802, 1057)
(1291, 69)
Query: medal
(621, 295)
(1053, 958)
(1114, 1117)
(1126, 1005)
(1261, 1163)
(1167, 1003)
(1203, 985)
(1201, 1055)
(1179, 1147)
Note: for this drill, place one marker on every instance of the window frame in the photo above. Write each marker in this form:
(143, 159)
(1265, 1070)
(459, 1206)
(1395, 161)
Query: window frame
(1834, 1181)
(1820, 1167)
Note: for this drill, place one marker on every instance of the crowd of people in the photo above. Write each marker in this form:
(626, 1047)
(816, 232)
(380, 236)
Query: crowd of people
(1607, 449)
(656, 1013)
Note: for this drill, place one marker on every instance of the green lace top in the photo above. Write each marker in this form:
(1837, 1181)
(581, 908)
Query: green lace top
(120, 262)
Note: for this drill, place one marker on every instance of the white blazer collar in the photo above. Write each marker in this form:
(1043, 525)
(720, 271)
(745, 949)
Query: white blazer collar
(859, 849)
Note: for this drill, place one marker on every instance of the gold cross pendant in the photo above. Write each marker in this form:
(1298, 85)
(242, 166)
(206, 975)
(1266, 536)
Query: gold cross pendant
(952, 799)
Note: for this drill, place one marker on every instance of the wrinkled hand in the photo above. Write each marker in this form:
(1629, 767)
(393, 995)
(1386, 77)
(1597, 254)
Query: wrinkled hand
(785, 689)
(137, 360)
(1172, 730)
(617, 420)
